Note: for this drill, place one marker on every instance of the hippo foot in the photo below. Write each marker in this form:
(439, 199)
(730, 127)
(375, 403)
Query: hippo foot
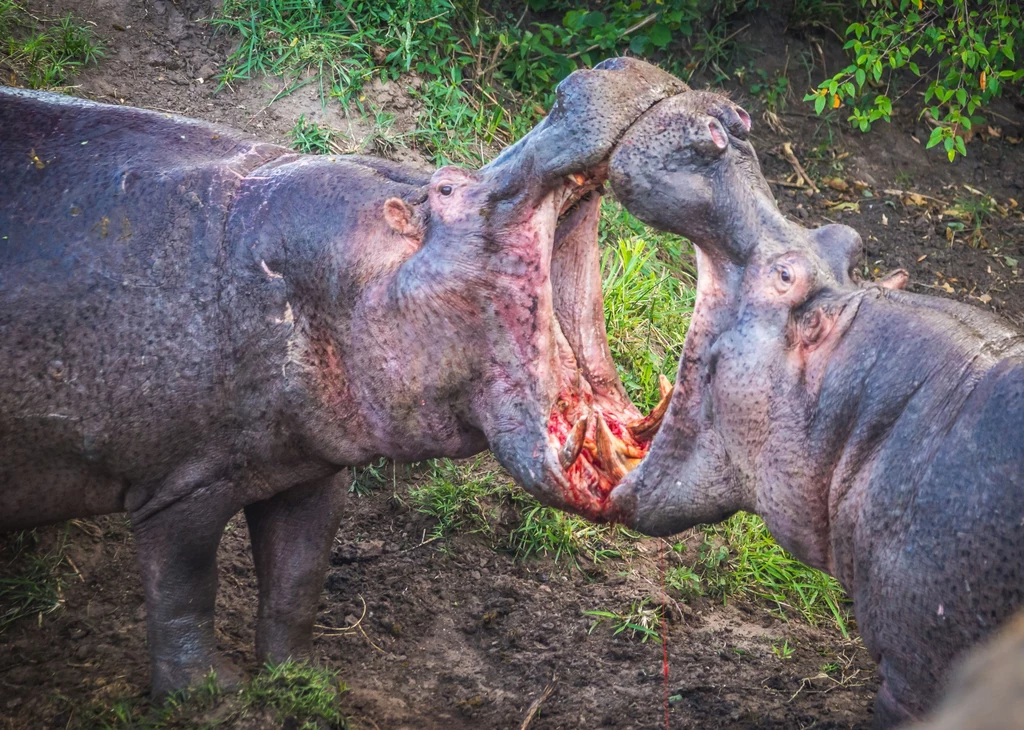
(889, 713)
(171, 676)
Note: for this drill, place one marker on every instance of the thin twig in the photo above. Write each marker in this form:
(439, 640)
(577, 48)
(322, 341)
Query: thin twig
(787, 151)
(335, 631)
(532, 712)
(785, 184)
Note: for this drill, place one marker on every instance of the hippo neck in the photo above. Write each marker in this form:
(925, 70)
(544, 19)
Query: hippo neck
(890, 421)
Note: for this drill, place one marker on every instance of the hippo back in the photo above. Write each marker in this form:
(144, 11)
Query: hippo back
(111, 234)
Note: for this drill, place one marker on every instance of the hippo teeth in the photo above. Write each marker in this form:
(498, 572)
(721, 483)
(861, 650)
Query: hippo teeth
(644, 429)
(573, 445)
(609, 451)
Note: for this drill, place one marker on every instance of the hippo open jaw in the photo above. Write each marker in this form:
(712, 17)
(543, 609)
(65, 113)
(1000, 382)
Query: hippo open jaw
(597, 432)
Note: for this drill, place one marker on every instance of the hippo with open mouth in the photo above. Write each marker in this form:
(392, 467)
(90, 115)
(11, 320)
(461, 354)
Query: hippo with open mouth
(193, 323)
(877, 432)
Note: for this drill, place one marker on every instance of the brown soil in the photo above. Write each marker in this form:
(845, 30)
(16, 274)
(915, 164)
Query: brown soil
(457, 634)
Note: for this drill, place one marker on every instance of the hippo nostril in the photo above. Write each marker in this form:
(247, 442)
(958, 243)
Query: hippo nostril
(718, 134)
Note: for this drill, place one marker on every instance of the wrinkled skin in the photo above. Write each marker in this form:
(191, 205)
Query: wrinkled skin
(987, 688)
(877, 432)
(193, 323)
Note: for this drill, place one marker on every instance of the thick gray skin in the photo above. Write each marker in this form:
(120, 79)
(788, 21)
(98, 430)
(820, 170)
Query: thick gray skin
(877, 432)
(987, 688)
(193, 323)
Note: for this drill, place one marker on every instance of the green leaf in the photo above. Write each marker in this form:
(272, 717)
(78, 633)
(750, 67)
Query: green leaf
(961, 148)
(861, 77)
(961, 96)
(660, 35)
(819, 105)
(934, 138)
(638, 45)
(914, 68)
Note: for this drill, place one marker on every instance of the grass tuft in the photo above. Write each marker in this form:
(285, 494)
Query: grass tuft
(546, 531)
(37, 588)
(461, 496)
(642, 618)
(43, 54)
(306, 696)
(739, 558)
(312, 138)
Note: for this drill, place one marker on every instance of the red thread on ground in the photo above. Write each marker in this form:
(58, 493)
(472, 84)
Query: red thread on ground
(664, 636)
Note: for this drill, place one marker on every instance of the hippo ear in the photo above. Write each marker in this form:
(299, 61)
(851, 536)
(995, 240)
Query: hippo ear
(897, 279)
(840, 246)
(403, 219)
(814, 326)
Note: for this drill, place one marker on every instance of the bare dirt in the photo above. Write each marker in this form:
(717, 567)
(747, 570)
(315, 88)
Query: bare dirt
(456, 634)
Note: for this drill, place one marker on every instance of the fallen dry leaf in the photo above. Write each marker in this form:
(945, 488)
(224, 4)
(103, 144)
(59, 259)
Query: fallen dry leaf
(914, 199)
(984, 299)
(921, 258)
(948, 289)
(885, 219)
(837, 183)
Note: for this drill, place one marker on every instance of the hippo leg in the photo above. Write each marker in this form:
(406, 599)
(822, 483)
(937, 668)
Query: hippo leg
(889, 712)
(177, 549)
(292, 533)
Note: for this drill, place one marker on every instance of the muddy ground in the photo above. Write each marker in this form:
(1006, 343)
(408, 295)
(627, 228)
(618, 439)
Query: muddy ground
(456, 634)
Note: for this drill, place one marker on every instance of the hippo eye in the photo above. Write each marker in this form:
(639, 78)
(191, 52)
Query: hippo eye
(445, 190)
(785, 275)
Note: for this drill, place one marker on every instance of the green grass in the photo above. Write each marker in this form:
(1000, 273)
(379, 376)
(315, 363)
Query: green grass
(305, 695)
(291, 694)
(342, 47)
(34, 587)
(642, 619)
(42, 53)
(543, 531)
(313, 138)
(648, 299)
(460, 496)
(739, 558)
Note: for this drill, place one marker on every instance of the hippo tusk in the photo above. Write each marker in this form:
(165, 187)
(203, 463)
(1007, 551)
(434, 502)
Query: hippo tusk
(573, 445)
(614, 465)
(643, 429)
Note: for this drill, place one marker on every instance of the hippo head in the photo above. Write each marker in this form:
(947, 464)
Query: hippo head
(771, 297)
(504, 281)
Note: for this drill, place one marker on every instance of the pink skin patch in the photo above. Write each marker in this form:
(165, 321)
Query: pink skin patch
(744, 117)
(718, 134)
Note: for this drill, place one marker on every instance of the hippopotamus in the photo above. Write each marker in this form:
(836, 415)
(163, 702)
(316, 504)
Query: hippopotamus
(877, 432)
(986, 691)
(195, 323)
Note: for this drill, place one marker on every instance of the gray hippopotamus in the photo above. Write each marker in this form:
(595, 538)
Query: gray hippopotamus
(987, 688)
(877, 432)
(193, 323)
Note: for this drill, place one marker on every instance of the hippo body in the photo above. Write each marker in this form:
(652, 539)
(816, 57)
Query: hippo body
(877, 432)
(193, 323)
(987, 689)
